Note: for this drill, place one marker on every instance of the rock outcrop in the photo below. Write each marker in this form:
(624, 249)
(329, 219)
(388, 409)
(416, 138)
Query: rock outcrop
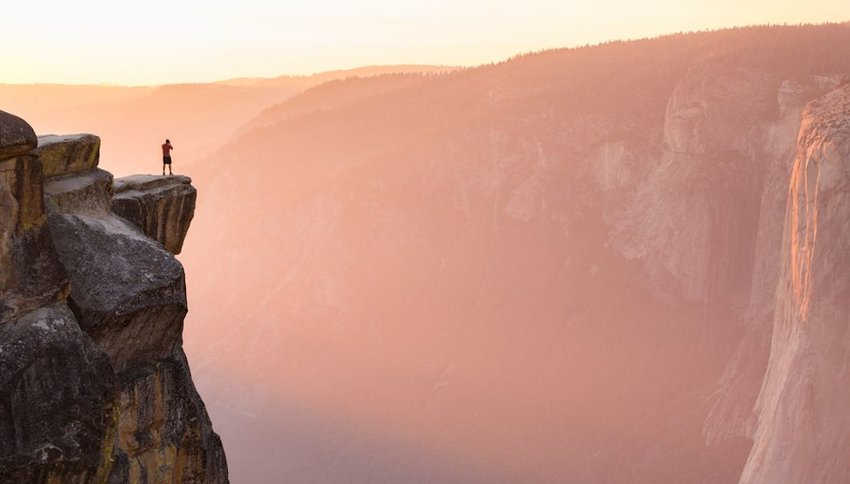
(68, 154)
(707, 220)
(57, 419)
(162, 207)
(728, 136)
(127, 292)
(732, 414)
(94, 381)
(30, 275)
(16, 136)
(803, 425)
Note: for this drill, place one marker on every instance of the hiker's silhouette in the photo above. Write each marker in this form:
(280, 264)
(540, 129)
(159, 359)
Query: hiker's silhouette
(166, 156)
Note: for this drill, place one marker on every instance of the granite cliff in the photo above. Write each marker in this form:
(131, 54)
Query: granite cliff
(567, 262)
(802, 426)
(94, 383)
(560, 268)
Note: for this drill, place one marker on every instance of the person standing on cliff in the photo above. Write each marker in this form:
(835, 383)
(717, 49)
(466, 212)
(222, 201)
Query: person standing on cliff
(166, 156)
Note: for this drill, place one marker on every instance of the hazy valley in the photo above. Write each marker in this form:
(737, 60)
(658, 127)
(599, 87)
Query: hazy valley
(565, 267)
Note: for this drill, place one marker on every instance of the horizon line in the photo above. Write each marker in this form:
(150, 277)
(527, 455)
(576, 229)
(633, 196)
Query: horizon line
(260, 78)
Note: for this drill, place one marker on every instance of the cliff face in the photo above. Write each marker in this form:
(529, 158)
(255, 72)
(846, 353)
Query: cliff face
(95, 384)
(803, 424)
(606, 222)
(713, 136)
(161, 207)
(708, 218)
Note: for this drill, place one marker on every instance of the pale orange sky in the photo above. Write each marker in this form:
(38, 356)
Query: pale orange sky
(158, 41)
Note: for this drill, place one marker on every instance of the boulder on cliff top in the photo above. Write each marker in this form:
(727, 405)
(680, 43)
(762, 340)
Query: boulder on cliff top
(30, 273)
(16, 136)
(65, 154)
(87, 192)
(127, 292)
(162, 207)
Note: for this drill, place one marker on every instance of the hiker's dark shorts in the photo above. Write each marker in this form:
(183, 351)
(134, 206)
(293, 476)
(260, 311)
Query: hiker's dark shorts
(166, 160)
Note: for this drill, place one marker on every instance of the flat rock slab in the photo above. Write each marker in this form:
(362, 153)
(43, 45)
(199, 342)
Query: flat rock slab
(85, 192)
(16, 136)
(161, 206)
(148, 183)
(65, 154)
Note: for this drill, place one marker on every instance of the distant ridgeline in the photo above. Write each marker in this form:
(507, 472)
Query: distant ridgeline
(619, 263)
(94, 384)
(616, 263)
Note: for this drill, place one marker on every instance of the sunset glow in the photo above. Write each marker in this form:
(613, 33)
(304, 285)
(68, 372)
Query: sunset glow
(382, 242)
(156, 42)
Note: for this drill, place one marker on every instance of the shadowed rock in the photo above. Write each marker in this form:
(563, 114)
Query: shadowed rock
(63, 370)
(86, 192)
(129, 295)
(127, 292)
(57, 389)
(68, 154)
(30, 274)
(59, 398)
(161, 416)
(162, 207)
(16, 136)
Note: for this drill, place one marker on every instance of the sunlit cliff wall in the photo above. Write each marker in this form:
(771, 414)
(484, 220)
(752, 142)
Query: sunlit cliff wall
(802, 423)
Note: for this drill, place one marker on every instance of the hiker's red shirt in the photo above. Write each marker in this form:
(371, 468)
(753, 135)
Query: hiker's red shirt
(166, 149)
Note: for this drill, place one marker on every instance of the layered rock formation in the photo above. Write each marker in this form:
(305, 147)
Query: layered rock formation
(61, 155)
(30, 276)
(803, 425)
(95, 384)
(162, 207)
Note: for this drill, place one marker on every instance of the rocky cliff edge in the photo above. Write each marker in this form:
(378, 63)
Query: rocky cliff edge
(94, 383)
